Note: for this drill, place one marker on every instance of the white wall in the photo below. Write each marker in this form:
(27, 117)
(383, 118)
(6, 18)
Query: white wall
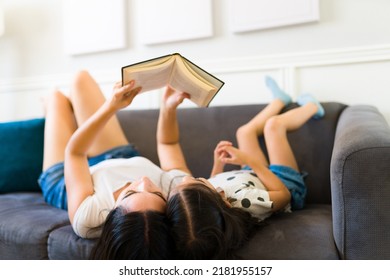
(344, 57)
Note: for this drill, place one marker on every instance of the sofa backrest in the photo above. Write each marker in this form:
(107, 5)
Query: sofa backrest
(202, 128)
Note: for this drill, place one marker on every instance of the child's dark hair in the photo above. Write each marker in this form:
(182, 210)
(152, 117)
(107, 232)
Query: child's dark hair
(204, 227)
(134, 236)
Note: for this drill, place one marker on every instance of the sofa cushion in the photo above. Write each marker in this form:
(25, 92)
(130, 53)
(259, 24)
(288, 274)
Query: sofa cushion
(301, 235)
(25, 224)
(64, 244)
(21, 152)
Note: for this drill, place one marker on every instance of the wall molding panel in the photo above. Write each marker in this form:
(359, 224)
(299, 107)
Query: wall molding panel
(289, 69)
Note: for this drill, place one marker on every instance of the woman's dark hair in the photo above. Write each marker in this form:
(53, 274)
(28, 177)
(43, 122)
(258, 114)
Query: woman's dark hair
(135, 236)
(204, 227)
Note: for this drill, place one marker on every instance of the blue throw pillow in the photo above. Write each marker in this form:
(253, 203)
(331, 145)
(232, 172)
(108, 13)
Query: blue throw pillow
(21, 155)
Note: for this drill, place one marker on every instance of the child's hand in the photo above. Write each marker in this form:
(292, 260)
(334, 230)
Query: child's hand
(219, 154)
(219, 151)
(232, 155)
(123, 95)
(172, 98)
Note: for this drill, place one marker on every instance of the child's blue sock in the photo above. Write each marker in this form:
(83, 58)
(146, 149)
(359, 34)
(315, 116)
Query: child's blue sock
(306, 98)
(276, 91)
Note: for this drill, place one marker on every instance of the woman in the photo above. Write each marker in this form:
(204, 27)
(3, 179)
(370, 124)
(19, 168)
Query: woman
(212, 218)
(91, 170)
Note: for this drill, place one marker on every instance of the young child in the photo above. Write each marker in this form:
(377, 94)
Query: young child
(263, 187)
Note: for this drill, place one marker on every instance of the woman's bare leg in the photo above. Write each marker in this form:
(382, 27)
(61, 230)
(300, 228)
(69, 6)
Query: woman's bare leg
(86, 98)
(59, 127)
(275, 133)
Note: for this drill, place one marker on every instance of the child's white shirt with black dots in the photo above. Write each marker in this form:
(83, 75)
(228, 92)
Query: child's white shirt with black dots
(243, 189)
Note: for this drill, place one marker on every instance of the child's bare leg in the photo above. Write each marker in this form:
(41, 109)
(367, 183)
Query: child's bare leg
(60, 124)
(86, 98)
(247, 135)
(275, 133)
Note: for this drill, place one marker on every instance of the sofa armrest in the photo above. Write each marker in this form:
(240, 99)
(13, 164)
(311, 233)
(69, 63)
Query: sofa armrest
(360, 184)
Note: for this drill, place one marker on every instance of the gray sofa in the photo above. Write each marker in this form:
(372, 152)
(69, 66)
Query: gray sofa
(346, 155)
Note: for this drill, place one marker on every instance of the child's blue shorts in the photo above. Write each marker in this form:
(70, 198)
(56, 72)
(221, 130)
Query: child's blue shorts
(52, 181)
(294, 181)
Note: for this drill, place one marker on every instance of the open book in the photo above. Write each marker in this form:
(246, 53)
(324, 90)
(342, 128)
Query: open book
(176, 71)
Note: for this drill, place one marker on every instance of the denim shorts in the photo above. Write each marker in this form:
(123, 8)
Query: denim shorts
(52, 180)
(293, 180)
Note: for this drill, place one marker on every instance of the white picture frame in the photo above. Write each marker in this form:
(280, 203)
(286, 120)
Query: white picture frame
(2, 28)
(93, 26)
(164, 21)
(250, 15)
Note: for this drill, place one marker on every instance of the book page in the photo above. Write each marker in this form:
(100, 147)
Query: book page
(151, 74)
(203, 74)
(184, 80)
